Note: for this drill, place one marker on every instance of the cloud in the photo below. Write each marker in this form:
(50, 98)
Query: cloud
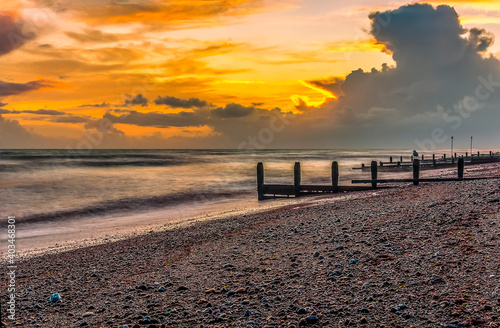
(181, 103)
(438, 63)
(138, 100)
(13, 33)
(169, 15)
(480, 39)
(155, 119)
(72, 119)
(9, 89)
(233, 111)
(104, 104)
(43, 112)
(93, 36)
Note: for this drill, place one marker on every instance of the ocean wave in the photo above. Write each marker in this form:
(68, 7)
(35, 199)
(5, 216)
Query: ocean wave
(125, 205)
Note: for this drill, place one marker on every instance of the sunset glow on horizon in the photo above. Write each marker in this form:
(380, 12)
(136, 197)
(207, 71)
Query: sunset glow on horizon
(66, 65)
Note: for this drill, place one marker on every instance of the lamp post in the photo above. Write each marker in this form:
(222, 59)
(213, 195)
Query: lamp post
(451, 146)
(471, 146)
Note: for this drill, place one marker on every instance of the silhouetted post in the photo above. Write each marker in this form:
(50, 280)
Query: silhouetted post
(296, 178)
(411, 158)
(466, 154)
(335, 176)
(455, 155)
(399, 164)
(362, 166)
(381, 163)
(477, 154)
(444, 157)
(416, 171)
(491, 153)
(260, 181)
(460, 168)
(434, 159)
(422, 157)
(390, 159)
(374, 174)
(452, 160)
(401, 159)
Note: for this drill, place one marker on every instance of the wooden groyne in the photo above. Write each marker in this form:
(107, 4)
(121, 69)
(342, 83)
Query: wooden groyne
(297, 189)
(430, 163)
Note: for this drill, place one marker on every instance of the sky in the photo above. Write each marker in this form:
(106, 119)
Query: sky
(249, 74)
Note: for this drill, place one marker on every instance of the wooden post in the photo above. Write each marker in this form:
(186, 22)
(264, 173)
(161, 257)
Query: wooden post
(374, 173)
(453, 160)
(444, 157)
(478, 154)
(460, 168)
(381, 163)
(363, 166)
(455, 155)
(491, 153)
(422, 157)
(296, 178)
(335, 176)
(399, 164)
(390, 159)
(401, 159)
(434, 159)
(260, 181)
(416, 171)
(466, 153)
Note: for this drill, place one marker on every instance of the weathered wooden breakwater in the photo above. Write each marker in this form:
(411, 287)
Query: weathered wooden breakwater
(431, 163)
(297, 189)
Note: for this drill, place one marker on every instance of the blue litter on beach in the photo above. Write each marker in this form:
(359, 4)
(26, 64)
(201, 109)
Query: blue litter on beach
(55, 298)
(401, 307)
(146, 320)
(353, 261)
(340, 247)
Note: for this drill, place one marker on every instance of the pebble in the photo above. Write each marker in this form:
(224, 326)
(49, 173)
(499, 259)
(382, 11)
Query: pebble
(54, 298)
(310, 320)
(88, 314)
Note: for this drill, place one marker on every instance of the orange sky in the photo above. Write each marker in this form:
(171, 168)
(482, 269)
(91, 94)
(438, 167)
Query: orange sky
(96, 52)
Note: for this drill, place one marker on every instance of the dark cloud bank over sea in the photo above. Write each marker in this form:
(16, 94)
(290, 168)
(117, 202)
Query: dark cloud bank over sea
(444, 83)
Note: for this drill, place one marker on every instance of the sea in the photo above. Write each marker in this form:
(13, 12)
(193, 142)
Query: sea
(63, 196)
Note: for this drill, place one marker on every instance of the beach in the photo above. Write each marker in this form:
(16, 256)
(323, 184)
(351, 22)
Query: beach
(408, 256)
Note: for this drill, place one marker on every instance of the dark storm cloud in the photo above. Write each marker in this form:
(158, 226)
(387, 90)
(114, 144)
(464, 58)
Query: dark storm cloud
(13, 33)
(438, 65)
(9, 89)
(138, 100)
(232, 111)
(481, 39)
(181, 103)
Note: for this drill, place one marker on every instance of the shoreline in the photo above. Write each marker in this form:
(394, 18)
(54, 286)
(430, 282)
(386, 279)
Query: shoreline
(50, 238)
(408, 256)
